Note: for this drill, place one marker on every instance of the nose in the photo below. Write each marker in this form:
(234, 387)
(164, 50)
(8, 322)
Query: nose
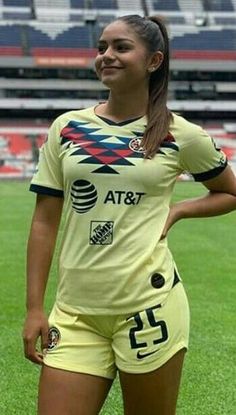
(108, 55)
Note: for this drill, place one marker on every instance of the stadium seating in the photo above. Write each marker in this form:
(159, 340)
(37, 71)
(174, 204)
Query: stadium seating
(16, 3)
(63, 37)
(10, 40)
(16, 153)
(225, 21)
(104, 4)
(218, 6)
(186, 42)
(17, 146)
(60, 32)
(165, 5)
(77, 4)
(208, 44)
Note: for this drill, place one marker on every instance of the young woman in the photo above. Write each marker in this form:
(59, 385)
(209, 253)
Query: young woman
(120, 305)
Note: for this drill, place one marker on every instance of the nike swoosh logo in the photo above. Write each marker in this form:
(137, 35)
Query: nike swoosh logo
(143, 355)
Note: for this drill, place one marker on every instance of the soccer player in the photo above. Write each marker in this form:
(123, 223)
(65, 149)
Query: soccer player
(120, 305)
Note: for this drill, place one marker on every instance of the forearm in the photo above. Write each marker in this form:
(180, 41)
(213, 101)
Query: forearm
(212, 204)
(39, 257)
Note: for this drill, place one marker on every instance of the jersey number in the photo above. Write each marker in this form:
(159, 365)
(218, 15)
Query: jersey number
(153, 323)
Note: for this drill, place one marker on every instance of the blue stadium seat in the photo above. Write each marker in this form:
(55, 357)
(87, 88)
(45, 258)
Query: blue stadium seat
(77, 4)
(165, 5)
(179, 20)
(218, 40)
(74, 37)
(10, 35)
(218, 5)
(76, 17)
(16, 3)
(104, 4)
(16, 15)
(104, 19)
(225, 21)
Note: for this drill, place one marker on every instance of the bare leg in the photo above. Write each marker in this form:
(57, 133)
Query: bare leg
(68, 393)
(153, 393)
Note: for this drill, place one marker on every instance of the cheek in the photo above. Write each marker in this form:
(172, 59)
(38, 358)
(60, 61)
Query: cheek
(97, 64)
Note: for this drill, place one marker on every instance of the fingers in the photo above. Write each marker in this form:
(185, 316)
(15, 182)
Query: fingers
(36, 327)
(44, 340)
(31, 352)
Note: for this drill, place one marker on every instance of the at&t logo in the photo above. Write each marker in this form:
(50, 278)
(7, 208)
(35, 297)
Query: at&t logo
(83, 196)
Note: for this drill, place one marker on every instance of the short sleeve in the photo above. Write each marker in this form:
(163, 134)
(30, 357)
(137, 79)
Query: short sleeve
(48, 178)
(200, 156)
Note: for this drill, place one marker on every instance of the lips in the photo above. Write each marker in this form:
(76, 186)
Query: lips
(110, 67)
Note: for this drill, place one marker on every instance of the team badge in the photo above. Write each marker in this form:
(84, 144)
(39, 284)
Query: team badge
(135, 145)
(53, 338)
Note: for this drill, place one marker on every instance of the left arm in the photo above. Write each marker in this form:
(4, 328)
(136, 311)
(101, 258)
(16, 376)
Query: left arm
(220, 199)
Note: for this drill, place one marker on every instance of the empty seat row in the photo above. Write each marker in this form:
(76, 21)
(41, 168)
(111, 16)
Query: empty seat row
(84, 36)
(161, 5)
(221, 40)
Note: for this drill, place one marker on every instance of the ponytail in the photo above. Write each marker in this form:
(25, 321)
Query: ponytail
(158, 115)
(153, 33)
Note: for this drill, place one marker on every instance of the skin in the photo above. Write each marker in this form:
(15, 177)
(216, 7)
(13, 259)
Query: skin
(124, 66)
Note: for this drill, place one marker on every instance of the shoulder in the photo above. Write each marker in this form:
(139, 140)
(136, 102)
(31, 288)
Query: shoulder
(82, 115)
(184, 131)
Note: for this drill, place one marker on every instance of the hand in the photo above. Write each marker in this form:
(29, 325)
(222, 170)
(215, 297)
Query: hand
(174, 216)
(36, 326)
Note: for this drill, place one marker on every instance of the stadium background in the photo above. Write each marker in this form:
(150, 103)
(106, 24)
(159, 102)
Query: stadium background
(47, 48)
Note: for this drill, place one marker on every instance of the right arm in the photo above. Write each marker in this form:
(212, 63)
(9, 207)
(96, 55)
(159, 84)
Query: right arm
(41, 244)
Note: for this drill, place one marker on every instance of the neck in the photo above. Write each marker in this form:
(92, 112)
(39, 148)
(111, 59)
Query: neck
(120, 107)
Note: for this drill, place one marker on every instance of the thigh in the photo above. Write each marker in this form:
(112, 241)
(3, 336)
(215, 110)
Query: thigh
(77, 343)
(153, 393)
(63, 392)
(145, 341)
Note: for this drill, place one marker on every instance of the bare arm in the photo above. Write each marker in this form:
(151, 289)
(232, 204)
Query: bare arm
(220, 199)
(40, 251)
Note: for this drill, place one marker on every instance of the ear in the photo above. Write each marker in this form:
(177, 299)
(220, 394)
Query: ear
(155, 61)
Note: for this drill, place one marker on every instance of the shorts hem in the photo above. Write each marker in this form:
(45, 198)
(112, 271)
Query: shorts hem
(87, 371)
(154, 365)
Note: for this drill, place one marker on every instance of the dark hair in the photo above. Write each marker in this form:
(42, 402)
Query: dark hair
(152, 31)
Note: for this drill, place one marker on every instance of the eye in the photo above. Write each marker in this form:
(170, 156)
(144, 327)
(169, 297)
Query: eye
(123, 48)
(101, 49)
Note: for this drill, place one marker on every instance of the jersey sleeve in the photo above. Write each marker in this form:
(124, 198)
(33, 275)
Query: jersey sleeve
(48, 178)
(200, 156)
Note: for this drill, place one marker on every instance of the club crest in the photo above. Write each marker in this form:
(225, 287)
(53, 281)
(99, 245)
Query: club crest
(53, 338)
(135, 145)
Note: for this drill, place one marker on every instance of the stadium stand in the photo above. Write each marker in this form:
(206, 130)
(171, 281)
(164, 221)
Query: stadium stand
(159, 5)
(47, 50)
(15, 38)
(10, 40)
(17, 144)
(16, 3)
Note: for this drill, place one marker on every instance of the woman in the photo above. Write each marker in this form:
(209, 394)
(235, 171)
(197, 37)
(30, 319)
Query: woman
(120, 303)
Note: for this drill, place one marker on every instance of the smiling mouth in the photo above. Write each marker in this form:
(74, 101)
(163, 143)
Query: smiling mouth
(109, 67)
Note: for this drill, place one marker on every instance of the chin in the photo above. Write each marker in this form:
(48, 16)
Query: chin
(108, 81)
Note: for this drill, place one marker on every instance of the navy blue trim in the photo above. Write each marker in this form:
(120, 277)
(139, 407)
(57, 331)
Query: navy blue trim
(176, 279)
(201, 177)
(119, 124)
(43, 190)
(169, 145)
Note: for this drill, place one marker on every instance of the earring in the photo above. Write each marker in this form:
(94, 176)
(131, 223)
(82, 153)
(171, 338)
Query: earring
(152, 69)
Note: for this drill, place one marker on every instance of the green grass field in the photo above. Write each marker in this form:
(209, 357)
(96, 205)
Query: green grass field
(205, 252)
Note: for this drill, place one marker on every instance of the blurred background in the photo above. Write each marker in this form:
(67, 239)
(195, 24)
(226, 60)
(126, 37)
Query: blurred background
(47, 50)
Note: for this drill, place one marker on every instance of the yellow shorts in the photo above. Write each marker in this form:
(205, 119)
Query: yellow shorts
(139, 343)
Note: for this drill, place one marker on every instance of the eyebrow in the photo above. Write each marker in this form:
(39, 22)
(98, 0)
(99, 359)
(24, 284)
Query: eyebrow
(117, 40)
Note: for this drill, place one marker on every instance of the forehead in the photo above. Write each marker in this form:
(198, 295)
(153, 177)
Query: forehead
(119, 30)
